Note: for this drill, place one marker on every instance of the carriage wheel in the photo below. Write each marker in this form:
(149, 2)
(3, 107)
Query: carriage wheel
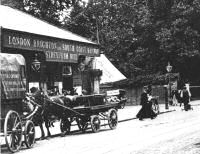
(155, 108)
(29, 134)
(13, 131)
(82, 124)
(112, 118)
(95, 123)
(65, 126)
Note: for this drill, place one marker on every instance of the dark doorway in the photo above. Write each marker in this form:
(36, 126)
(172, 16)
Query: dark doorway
(67, 82)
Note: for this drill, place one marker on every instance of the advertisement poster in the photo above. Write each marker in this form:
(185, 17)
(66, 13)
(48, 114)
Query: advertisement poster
(12, 84)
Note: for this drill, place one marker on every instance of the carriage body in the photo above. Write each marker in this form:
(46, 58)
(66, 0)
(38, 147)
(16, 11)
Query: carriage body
(13, 88)
(90, 100)
(85, 110)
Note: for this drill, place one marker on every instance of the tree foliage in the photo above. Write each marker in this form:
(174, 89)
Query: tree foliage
(178, 36)
(141, 36)
(114, 24)
(138, 36)
(48, 10)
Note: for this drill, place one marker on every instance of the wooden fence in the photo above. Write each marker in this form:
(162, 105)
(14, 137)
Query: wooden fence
(133, 93)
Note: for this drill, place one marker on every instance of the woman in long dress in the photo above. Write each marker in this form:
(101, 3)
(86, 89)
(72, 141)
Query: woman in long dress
(146, 110)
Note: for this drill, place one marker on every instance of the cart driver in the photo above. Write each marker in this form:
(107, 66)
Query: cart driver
(34, 102)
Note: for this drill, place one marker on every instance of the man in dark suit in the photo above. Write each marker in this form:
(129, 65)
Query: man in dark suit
(185, 98)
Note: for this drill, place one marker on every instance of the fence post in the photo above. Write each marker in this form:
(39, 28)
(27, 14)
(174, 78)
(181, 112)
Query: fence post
(166, 98)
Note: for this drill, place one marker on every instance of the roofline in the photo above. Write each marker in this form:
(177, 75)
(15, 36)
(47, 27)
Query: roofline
(50, 37)
(94, 43)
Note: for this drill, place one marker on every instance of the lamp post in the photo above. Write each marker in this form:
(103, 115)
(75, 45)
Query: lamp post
(169, 69)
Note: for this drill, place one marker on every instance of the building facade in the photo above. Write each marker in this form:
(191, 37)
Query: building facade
(54, 57)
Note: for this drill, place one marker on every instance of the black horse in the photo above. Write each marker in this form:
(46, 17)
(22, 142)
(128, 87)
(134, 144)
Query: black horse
(54, 111)
(46, 110)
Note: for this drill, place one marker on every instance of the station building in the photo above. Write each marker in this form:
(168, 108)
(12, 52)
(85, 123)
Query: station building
(54, 57)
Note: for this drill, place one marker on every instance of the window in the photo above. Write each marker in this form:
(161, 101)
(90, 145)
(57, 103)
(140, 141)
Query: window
(67, 70)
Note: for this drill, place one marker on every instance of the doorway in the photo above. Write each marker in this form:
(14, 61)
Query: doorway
(67, 83)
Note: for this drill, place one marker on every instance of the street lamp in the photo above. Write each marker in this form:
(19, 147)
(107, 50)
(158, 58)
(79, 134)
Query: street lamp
(169, 69)
(36, 64)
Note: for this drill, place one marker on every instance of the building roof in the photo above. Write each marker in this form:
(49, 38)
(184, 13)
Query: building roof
(17, 20)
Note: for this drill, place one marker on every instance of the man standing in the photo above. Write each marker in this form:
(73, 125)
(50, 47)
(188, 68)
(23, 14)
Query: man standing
(185, 98)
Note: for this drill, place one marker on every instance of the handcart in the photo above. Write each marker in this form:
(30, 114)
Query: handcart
(14, 124)
(117, 95)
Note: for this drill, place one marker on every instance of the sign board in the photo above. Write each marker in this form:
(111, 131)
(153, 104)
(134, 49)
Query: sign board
(13, 83)
(112, 92)
(55, 49)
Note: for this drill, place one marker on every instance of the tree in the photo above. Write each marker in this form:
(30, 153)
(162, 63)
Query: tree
(142, 36)
(178, 37)
(114, 24)
(78, 22)
(13, 3)
(48, 10)
(138, 36)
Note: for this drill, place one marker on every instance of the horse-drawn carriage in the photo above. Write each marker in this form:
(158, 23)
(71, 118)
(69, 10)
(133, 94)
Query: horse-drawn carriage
(90, 109)
(14, 125)
(84, 110)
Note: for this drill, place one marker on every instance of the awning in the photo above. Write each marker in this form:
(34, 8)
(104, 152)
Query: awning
(110, 72)
(23, 31)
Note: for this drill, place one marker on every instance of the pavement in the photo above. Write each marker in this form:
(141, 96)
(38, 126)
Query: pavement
(129, 112)
(126, 114)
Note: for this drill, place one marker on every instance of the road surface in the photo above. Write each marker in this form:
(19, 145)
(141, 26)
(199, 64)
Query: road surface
(175, 132)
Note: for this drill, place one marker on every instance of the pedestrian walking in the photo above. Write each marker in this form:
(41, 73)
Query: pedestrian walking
(187, 85)
(185, 98)
(179, 97)
(146, 110)
(174, 97)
